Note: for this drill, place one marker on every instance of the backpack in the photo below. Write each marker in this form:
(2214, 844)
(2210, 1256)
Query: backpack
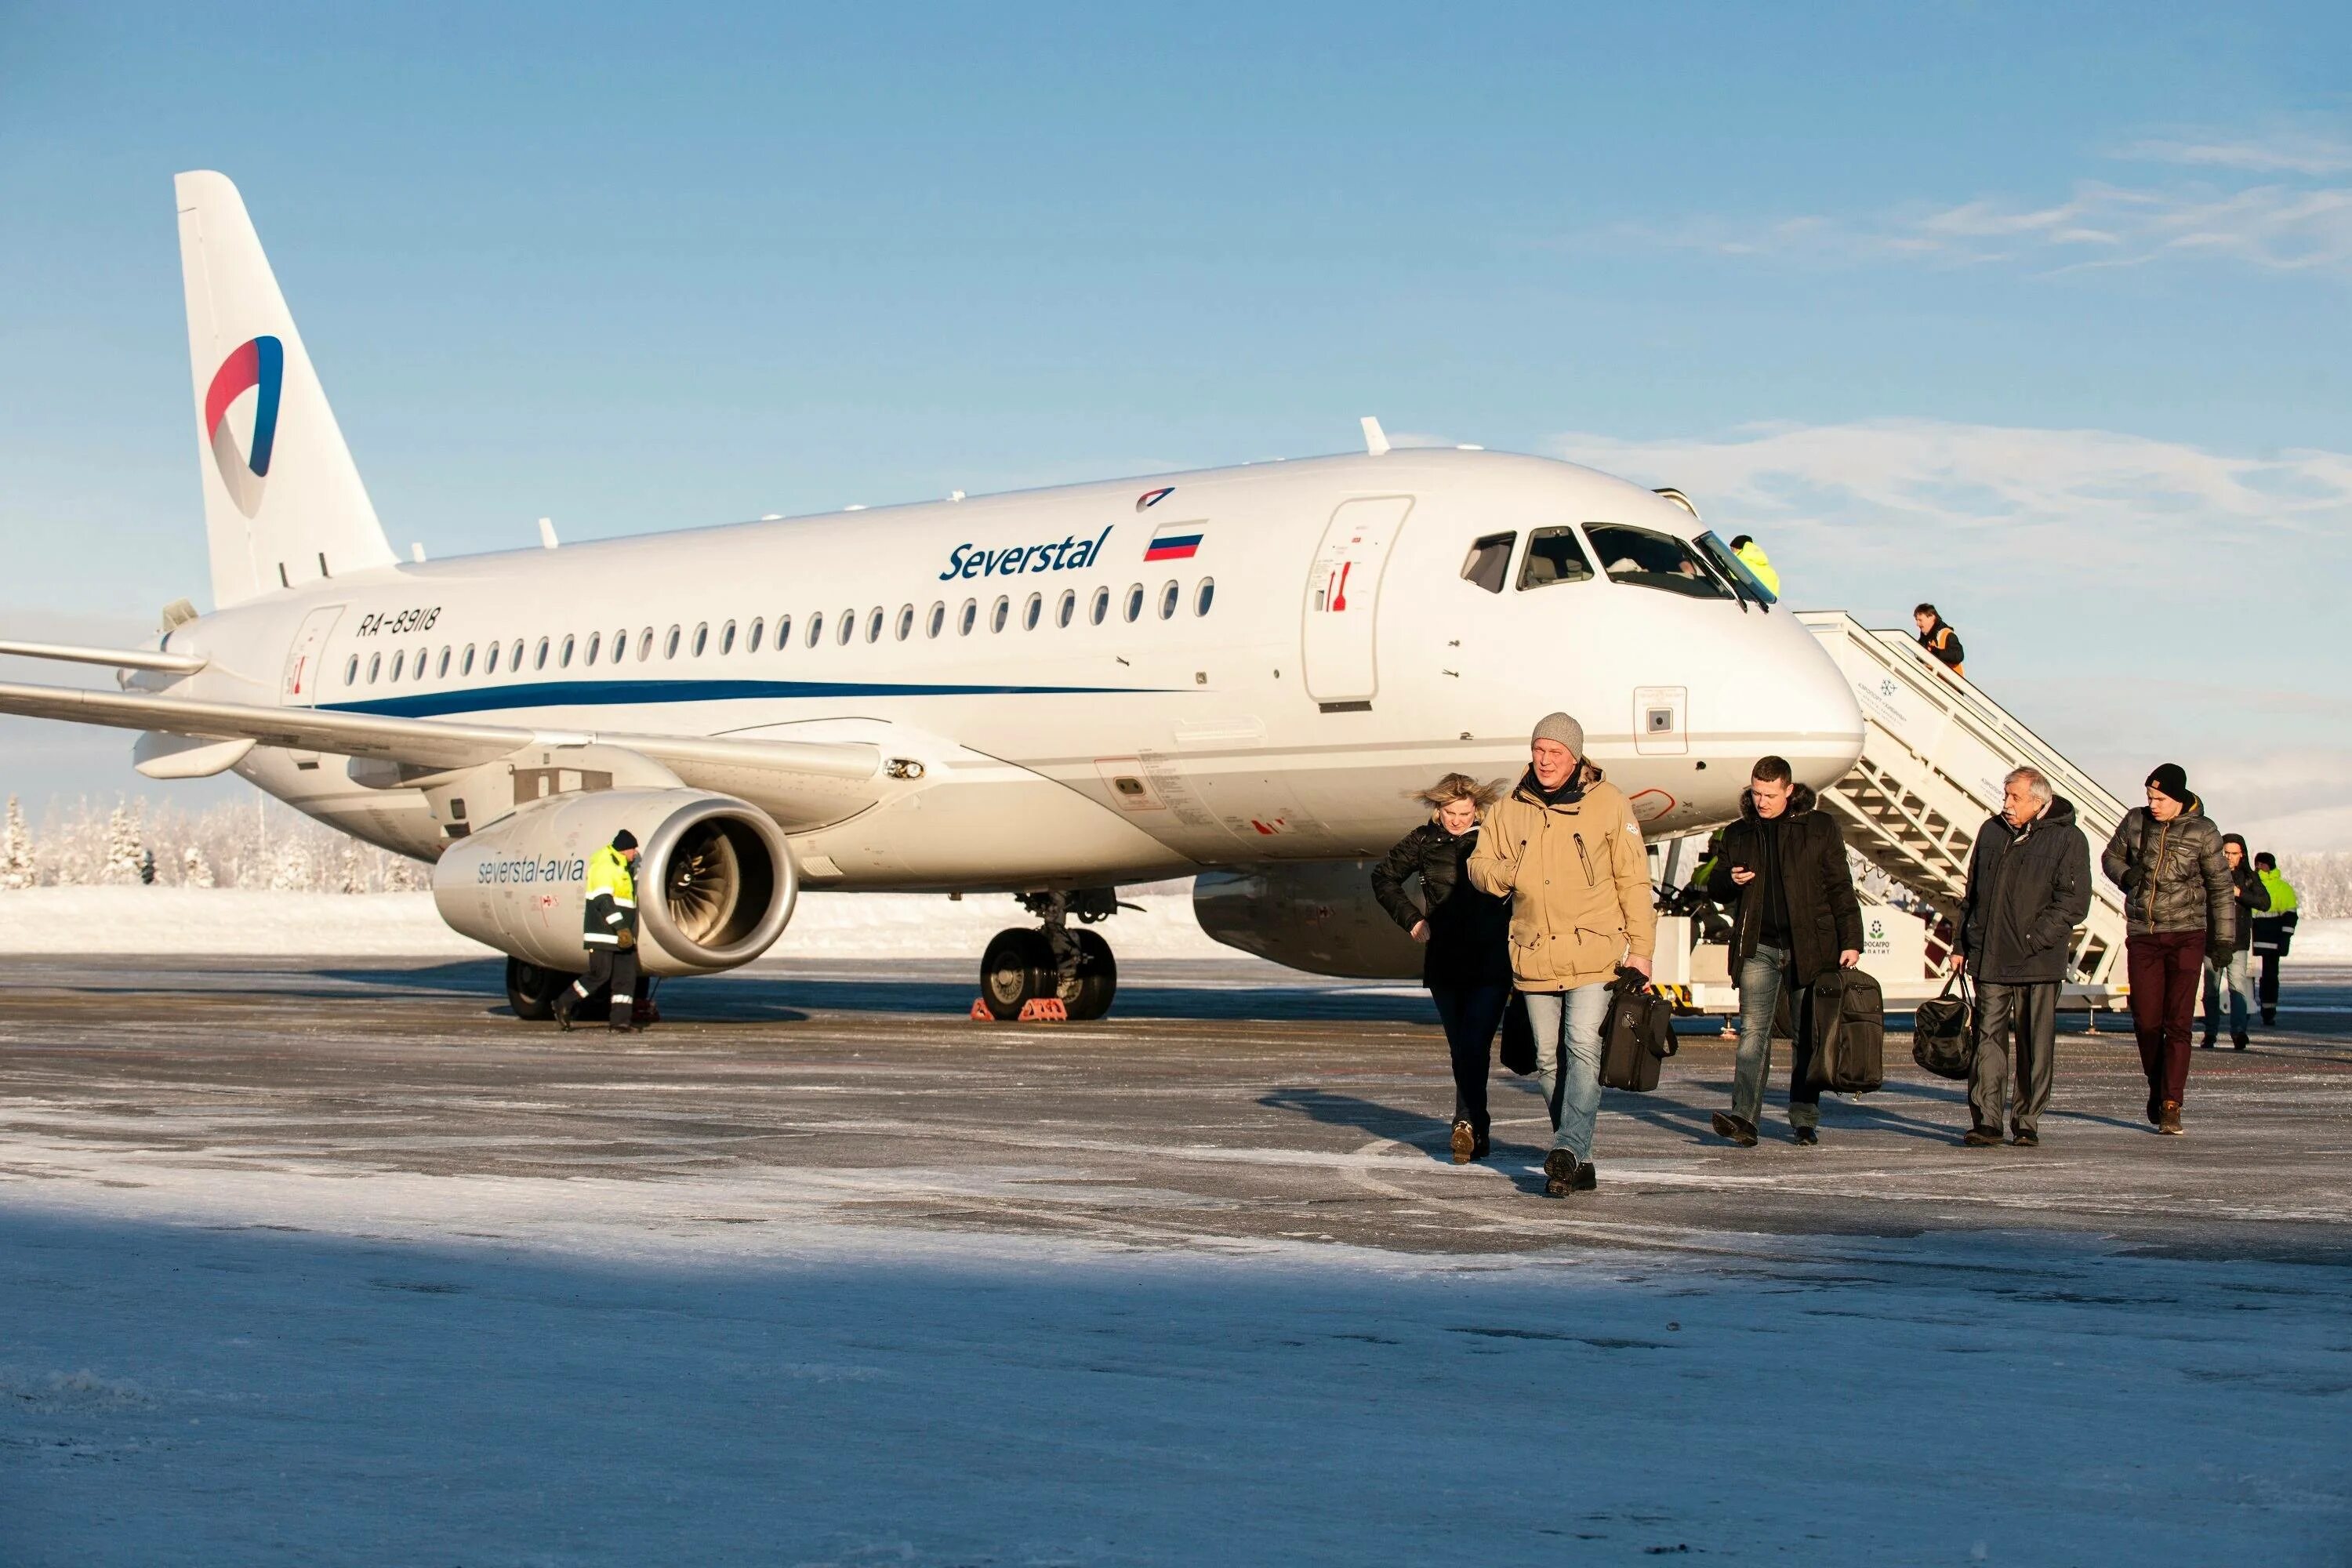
(1849, 1028)
(1943, 1033)
(1638, 1033)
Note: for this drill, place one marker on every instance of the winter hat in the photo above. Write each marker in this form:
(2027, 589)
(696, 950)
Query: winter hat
(624, 839)
(2172, 780)
(2237, 838)
(1561, 727)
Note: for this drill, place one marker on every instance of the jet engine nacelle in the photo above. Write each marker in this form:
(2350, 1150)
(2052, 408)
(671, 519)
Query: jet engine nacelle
(715, 881)
(1320, 917)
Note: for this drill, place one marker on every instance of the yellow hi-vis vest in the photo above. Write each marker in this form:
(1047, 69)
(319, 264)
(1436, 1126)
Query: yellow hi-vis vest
(612, 901)
(1752, 554)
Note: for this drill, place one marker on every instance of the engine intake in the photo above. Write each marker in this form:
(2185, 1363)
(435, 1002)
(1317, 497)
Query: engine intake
(716, 884)
(1320, 917)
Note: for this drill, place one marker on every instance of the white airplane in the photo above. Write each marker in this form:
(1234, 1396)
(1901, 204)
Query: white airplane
(1237, 674)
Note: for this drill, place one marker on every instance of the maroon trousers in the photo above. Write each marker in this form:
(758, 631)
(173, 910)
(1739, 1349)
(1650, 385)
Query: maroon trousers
(2166, 968)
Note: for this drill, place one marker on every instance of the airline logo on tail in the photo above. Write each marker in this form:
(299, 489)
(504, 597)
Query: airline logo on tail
(257, 366)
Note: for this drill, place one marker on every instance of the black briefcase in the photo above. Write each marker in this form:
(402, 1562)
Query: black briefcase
(1637, 1036)
(1518, 1050)
(1944, 1032)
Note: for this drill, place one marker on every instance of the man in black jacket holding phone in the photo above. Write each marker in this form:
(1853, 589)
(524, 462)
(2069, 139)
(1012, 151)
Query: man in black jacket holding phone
(1784, 861)
(2029, 887)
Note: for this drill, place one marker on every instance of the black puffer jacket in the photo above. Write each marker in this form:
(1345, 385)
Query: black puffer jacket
(2174, 876)
(1469, 931)
(1824, 917)
(2029, 887)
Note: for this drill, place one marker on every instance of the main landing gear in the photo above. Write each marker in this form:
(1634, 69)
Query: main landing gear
(1022, 965)
(531, 992)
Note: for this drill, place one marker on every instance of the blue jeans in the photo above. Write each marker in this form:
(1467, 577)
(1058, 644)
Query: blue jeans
(1567, 1024)
(1761, 980)
(2239, 982)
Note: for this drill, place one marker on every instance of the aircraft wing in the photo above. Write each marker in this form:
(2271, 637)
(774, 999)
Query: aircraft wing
(779, 771)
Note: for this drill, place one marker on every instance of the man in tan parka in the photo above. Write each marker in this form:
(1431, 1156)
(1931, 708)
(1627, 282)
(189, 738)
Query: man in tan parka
(1564, 848)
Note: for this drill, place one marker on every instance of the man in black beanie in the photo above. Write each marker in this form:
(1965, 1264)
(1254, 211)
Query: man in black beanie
(2179, 908)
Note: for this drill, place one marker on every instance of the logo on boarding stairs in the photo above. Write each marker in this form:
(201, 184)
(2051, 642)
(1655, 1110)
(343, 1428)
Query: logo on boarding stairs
(257, 366)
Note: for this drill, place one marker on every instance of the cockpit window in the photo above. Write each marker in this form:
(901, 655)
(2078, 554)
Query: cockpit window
(1735, 571)
(1647, 560)
(1554, 556)
(1489, 562)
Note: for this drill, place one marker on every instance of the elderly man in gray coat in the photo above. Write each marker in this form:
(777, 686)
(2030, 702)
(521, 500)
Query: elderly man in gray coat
(2029, 887)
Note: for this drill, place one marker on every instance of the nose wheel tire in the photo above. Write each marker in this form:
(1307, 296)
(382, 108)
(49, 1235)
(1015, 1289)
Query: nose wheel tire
(1017, 969)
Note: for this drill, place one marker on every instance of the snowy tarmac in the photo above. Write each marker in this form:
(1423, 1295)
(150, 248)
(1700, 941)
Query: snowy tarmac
(335, 1262)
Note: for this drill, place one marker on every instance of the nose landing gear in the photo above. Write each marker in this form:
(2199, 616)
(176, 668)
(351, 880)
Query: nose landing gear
(1022, 964)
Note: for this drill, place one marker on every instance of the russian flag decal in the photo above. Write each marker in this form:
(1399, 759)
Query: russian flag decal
(1174, 541)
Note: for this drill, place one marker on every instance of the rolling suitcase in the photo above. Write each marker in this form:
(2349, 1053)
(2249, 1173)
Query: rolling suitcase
(1848, 1027)
(1637, 1036)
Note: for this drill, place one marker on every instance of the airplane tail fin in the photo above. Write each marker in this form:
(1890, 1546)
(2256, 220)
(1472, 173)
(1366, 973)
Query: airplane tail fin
(283, 502)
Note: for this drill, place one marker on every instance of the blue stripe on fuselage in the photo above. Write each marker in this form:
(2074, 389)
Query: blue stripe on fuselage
(618, 693)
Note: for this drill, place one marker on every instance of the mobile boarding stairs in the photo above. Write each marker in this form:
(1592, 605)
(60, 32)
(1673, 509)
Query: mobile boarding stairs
(1935, 751)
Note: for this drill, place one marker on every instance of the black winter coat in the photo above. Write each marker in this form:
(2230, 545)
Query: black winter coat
(1824, 917)
(2249, 897)
(2029, 887)
(1469, 931)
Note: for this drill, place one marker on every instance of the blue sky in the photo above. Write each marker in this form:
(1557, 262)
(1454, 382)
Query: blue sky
(2041, 311)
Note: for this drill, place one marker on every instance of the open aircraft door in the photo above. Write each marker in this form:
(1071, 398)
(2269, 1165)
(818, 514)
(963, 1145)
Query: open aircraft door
(306, 660)
(1343, 596)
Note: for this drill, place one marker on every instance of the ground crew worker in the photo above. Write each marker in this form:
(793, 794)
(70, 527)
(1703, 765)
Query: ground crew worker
(1938, 638)
(610, 935)
(2273, 930)
(1751, 555)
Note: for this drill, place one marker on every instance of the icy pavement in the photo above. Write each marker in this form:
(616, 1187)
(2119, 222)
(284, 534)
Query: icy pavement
(338, 1265)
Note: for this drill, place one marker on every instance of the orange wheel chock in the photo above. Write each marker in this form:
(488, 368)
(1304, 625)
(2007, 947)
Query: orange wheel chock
(1044, 1010)
(980, 1013)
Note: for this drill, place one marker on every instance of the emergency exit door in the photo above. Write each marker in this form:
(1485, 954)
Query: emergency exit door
(1343, 598)
(306, 660)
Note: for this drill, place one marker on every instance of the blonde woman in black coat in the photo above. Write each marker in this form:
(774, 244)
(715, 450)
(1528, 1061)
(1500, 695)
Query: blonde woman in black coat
(1467, 967)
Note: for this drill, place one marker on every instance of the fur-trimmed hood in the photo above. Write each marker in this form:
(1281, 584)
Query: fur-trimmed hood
(1802, 800)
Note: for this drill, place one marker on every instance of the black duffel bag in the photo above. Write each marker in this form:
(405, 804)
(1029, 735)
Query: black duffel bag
(1944, 1032)
(1848, 1027)
(1518, 1037)
(1637, 1036)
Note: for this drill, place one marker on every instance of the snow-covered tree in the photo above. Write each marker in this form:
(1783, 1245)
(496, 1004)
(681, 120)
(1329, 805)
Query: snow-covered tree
(15, 849)
(196, 871)
(123, 848)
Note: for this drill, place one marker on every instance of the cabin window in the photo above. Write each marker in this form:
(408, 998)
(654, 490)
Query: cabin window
(727, 640)
(1171, 595)
(783, 633)
(492, 667)
(441, 670)
(701, 638)
(1554, 556)
(466, 664)
(1102, 607)
(1488, 563)
(620, 645)
(669, 643)
(937, 621)
(646, 645)
(375, 667)
(874, 626)
(1643, 559)
(751, 638)
(1204, 595)
(816, 629)
(352, 671)
(595, 647)
(565, 662)
(398, 660)
(1134, 601)
(514, 656)
(416, 664)
(1002, 614)
(1067, 611)
(906, 622)
(540, 660)
(1033, 612)
(848, 626)
(969, 618)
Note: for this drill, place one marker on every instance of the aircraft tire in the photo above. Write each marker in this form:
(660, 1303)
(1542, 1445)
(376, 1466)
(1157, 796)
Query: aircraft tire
(530, 990)
(1087, 994)
(1017, 968)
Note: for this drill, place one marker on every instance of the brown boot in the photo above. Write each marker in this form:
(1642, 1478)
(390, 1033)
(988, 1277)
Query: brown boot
(2168, 1119)
(1465, 1143)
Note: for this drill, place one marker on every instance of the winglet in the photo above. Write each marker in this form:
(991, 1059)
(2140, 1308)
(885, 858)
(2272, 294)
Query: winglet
(1376, 440)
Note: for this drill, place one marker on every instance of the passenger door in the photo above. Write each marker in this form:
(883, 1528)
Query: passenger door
(1343, 589)
(306, 660)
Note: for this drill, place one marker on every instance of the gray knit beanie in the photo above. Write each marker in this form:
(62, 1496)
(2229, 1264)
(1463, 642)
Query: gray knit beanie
(1561, 727)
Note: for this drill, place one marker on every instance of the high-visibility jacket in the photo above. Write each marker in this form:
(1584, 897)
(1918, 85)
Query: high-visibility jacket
(2282, 891)
(611, 916)
(1752, 554)
(2274, 926)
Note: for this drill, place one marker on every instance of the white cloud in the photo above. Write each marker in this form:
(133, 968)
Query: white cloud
(2285, 153)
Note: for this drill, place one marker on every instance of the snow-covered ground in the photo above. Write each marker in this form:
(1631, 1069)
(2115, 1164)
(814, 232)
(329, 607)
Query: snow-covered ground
(239, 1366)
(404, 925)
